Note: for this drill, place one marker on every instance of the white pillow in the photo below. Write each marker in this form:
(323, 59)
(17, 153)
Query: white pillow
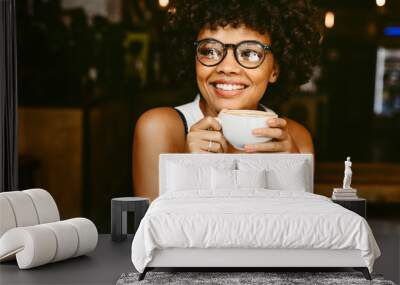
(182, 178)
(223, 179)
(186, 176)
(251, 178)
(237, 179)
(291, 180)
(282, 174)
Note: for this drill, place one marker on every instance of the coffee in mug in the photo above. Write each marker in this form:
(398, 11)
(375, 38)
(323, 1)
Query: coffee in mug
(237, 126)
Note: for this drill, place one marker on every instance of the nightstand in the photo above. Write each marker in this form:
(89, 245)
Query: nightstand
(358, 206)
(119, 208)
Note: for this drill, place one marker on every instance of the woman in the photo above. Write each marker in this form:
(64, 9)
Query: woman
(237, 52)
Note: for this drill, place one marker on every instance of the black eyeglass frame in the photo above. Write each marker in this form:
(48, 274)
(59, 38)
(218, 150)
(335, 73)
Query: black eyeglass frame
(265, 47)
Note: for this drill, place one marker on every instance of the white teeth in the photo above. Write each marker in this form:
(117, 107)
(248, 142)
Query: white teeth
(229, 87)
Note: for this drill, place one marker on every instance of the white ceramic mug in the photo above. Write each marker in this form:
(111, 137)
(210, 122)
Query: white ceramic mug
(237, 126)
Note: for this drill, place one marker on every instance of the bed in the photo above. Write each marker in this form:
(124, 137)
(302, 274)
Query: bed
(247, 211)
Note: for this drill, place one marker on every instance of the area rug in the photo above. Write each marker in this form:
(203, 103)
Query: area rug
(244, 278)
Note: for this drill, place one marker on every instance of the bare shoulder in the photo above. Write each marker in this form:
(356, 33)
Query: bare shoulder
(295, 126)
(162, 125)
(301, 136)
(159, 119)
(159, 130)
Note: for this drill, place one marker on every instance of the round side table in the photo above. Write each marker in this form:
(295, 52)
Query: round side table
(119, 208)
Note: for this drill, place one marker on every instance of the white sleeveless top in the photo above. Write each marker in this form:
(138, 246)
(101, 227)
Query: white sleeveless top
(192, 112)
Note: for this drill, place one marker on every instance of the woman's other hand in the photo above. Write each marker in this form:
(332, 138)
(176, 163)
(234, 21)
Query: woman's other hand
(282, 140)
(206, 137)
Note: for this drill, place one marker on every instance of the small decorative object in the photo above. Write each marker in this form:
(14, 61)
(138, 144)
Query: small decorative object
(347, 174)
(347, 192)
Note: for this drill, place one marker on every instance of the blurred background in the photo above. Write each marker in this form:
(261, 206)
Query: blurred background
(87, 69)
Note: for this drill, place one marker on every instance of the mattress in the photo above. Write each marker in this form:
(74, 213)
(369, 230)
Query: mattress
(251, 219)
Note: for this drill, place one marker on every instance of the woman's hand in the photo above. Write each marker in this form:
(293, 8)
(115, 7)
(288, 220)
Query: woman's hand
(281, 138)
(206, 137)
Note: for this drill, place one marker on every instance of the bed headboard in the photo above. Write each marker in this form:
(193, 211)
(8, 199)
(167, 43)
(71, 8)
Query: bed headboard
(290, 160)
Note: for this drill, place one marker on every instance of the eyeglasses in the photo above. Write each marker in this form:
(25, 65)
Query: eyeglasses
(249, 54)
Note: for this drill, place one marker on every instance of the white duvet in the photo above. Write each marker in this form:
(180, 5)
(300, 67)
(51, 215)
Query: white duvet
(250, 219)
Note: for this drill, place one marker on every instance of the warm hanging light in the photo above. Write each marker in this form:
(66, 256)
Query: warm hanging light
(163, 3)
(380, 3)
(329, 19)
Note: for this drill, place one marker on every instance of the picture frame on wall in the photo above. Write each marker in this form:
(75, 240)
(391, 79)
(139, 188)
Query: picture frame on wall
(136, 56)
(387, 82)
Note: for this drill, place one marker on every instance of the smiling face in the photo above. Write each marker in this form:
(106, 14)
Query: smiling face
(228, 85)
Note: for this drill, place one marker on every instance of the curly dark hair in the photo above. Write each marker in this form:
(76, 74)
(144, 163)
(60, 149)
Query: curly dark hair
(294, 27)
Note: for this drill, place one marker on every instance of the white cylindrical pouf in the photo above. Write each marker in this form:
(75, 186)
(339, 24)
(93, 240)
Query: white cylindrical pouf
(45, 205)
(87, 235)
(23, 208)
(7, 218)
(67, 239)
(34, 246)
